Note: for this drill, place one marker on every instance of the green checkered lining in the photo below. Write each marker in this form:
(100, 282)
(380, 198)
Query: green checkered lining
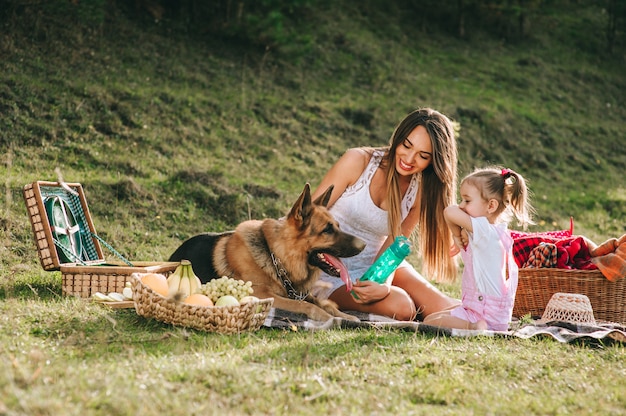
(89, 248)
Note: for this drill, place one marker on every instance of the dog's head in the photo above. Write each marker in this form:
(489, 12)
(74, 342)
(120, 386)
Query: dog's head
(320, 231)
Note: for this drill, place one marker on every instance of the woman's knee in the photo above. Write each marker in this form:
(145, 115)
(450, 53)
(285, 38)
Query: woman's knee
(401, 306)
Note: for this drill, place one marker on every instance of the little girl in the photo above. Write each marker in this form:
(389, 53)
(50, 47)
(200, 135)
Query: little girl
(479, 227)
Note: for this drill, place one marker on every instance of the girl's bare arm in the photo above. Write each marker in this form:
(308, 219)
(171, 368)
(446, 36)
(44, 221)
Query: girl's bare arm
(459, 223)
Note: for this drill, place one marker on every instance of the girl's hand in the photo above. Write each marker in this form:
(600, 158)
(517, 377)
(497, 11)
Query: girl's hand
(461, 241)
(369, 292)
(458, 243)
(464, 238)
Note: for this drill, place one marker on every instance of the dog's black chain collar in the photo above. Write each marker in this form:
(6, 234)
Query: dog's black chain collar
(284, 278)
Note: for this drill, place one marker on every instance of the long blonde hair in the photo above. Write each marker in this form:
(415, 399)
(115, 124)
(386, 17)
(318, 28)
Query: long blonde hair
(437, 190)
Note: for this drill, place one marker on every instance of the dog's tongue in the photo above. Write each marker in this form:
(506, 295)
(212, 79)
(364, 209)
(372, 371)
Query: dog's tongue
(343, 271)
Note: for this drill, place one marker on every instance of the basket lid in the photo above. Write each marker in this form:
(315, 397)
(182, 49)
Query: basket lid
(62, 225)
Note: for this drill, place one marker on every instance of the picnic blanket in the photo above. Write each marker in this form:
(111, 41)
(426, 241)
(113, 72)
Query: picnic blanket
(559, 331)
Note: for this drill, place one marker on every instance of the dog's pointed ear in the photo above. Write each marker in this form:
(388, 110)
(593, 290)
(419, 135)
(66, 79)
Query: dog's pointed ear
(325, 197)
(301, 210)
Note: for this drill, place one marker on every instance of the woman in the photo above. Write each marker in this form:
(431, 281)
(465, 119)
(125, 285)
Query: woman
(381, 193)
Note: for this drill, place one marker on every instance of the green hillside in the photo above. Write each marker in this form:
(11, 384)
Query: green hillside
(174, 131)
(184, 116)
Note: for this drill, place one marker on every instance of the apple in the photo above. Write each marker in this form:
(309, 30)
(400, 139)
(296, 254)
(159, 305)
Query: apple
(253, 300)
(227, 300)
(248, 298)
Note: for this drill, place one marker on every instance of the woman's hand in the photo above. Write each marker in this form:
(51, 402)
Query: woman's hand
(369, 292)
(454, 249)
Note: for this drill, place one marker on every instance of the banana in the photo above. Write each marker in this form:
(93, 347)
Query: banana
(183, 282)
(184, 266)
(195, 280)
(193, 287)
(173, 282)
(185, 286)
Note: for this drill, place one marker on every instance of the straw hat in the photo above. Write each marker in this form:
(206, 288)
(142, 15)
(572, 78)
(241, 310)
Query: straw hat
(569, 307)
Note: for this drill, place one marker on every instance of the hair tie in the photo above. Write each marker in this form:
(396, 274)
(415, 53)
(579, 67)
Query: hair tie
(507, 175)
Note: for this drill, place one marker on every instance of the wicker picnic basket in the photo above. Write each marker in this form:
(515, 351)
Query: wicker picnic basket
(222, 319)
(75, 248)
(537, 285)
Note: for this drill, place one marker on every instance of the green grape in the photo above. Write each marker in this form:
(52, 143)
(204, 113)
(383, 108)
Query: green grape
(224, 285)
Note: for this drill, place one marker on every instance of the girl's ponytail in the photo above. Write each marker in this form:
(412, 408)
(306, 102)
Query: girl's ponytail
(516, 196)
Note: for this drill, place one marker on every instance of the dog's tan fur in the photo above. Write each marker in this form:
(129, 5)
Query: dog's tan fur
(246, 254)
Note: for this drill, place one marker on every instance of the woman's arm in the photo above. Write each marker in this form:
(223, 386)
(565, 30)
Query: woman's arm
(345, 172)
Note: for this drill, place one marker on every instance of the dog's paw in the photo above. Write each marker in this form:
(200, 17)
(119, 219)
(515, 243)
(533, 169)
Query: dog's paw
(348, 317)
(331, 308)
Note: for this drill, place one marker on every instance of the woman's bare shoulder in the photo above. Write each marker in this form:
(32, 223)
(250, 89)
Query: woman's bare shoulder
(348, 168)
(356, 157)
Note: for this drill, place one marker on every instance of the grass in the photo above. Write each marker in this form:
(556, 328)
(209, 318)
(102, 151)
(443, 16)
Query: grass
(70, 357)
(172, 134)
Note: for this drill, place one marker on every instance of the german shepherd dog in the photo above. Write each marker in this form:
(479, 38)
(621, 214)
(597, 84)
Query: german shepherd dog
(282, 258)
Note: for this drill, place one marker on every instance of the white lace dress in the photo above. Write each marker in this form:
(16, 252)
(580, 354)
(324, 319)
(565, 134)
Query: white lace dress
(358, 215)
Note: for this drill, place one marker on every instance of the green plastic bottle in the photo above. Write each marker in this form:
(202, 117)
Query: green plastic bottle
(389, 261)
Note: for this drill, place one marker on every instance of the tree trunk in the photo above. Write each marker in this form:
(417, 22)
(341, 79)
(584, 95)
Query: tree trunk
(461, 21)
(611, 27)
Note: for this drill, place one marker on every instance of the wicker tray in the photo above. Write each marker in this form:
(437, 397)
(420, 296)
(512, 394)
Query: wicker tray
(84, 281)
(536, 287)
(223, 319)
(93, 274)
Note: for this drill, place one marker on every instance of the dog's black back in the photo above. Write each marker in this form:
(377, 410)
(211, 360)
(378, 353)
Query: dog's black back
(199, 251)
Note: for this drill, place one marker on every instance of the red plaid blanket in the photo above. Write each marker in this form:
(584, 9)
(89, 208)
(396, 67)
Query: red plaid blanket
(572, 251)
